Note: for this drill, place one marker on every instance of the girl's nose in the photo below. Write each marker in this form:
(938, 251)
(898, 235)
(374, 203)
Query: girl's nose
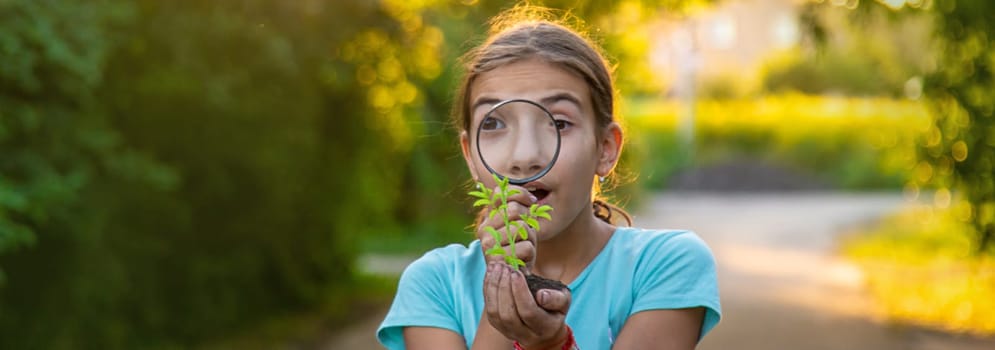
(526, 157)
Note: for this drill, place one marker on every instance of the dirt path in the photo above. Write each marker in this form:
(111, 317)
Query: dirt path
(782, 285)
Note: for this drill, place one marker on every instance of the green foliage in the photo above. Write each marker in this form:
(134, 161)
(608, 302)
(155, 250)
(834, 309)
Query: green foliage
(496, 202)
(921, 268)
(853, 53)
(189, 170)
(957, 152)
(49, 136)
(961, 143)
(833, 72)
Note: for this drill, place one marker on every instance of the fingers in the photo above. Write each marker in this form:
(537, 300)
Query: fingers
(518, 206)
(524, 250)
(507, 311)
(518, 203)
(489, 240)
(521, 196)
(505, 227)
(491, 290)
(498, 224)
(512, 310)
(525, 305)
(539, 322)
(515, 212)
(554, 300)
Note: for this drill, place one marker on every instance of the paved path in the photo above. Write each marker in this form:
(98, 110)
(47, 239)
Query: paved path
(782, 285)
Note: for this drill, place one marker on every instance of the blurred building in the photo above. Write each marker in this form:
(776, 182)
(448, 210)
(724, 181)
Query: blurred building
(730, 40)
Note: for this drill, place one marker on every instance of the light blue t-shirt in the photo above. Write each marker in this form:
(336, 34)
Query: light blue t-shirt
(637, 270)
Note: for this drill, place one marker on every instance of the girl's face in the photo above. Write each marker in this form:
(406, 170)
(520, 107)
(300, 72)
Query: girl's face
(586, 150)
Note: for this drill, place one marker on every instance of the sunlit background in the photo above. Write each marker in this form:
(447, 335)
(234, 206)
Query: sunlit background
(257, 173)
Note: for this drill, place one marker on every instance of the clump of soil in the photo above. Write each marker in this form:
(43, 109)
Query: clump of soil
(537, 282)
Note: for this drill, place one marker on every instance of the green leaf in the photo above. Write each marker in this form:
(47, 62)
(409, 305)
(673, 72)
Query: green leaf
(542, 211)
(523, 233)
(479, 194)
(502, 184)
(495, 251)
(532, 222)
(491, 231)
(513, 192)
(499, 179)
(515, 226)
(496, 238)
(483, 202)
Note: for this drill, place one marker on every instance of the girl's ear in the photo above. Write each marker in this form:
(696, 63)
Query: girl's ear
(611, 148)
(464, 142)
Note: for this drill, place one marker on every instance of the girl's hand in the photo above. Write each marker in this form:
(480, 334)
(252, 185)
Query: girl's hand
(518, 204)
(511, 309)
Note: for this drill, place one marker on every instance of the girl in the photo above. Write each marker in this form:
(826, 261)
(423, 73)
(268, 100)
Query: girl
(629, 288)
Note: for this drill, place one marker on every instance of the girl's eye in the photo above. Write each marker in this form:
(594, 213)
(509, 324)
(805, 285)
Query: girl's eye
(562, 124)
(491, 123)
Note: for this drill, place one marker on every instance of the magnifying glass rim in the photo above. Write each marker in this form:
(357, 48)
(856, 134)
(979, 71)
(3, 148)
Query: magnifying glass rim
(541, 173)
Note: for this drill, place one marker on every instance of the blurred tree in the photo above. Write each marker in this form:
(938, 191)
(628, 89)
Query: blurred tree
(189, 168)
(49, 137)
(960, 146)
(957, 152)
(852, 53)
(57, 150)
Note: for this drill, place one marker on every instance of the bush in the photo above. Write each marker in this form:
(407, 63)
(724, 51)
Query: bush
(171, 174)
(922, 268)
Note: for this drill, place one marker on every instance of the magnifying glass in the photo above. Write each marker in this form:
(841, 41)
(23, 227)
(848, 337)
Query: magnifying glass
(519, 140)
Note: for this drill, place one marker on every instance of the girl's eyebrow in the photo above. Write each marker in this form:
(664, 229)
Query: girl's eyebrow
(483, 101)
(561, 96)
(545, 101)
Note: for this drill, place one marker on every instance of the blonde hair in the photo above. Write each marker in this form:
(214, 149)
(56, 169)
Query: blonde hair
(530, 32)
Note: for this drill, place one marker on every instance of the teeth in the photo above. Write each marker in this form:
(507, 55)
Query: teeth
(531, 188)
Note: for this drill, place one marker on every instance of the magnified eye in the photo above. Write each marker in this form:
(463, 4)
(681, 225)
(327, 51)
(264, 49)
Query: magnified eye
(562, 124)
(491, 123)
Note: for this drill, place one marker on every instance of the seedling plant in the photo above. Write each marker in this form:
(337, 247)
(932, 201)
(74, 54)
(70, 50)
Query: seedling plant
(497, 201)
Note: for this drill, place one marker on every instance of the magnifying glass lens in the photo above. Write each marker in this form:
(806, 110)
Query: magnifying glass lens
(518, 139)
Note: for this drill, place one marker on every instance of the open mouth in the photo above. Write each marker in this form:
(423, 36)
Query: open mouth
(538, 190)
(540, 194)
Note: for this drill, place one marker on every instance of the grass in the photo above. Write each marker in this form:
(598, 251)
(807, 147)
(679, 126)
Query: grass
(922, 268)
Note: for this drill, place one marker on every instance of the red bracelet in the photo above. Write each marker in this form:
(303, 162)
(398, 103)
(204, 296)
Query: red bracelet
(570, 344)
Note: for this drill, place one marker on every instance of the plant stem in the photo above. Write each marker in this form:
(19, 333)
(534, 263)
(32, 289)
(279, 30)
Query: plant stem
(508, 233)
